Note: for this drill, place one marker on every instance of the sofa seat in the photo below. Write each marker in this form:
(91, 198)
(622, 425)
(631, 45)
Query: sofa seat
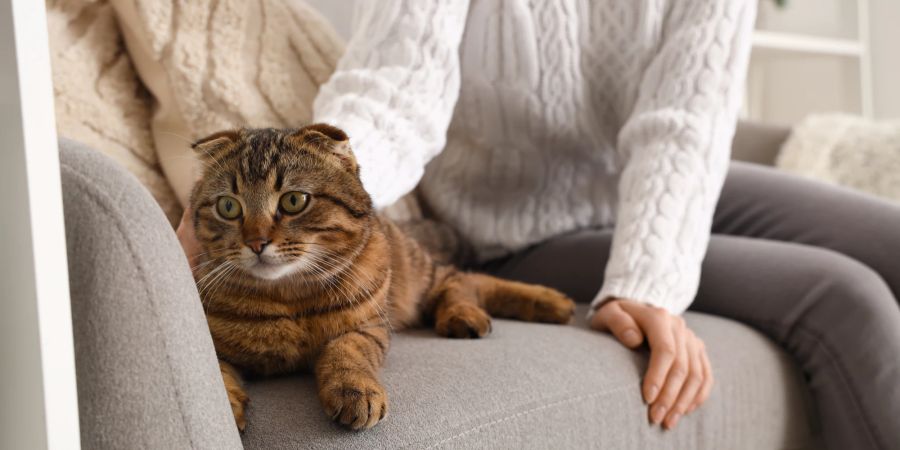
(148, 377)
(544, 386)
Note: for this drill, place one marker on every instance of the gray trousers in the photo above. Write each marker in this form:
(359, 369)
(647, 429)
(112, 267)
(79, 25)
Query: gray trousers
(813, 266)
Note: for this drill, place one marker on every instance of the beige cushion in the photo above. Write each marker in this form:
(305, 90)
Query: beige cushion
(213, 65)
(846, 150)
(99, 99)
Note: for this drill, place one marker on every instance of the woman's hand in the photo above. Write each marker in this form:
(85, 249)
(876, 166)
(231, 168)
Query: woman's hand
(188, 238)
(679, 378)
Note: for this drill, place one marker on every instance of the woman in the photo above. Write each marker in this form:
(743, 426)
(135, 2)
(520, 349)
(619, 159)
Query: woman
(566, 136)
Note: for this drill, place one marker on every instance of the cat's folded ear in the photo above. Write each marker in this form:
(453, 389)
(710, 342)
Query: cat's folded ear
(214, 146)
(328, 138)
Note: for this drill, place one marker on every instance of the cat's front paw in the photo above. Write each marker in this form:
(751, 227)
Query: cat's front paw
(356, 401)
(462, 321)
(238, 400)
(552, 306)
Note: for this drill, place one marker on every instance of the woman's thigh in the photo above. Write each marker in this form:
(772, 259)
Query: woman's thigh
(835, 315)
(762, 202)
(572, 263)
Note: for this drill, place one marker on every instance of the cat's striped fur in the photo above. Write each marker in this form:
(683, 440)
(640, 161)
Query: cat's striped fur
(323, 288)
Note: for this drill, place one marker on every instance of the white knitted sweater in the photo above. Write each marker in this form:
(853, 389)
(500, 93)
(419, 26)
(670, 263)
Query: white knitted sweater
(541, 117)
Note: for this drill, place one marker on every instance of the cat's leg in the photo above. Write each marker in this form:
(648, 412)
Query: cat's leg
(347, 374)
(456, 308)
(462, 303)
(236, 395)
(514, 300)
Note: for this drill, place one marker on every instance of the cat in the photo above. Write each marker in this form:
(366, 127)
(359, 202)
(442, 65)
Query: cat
(299, 272)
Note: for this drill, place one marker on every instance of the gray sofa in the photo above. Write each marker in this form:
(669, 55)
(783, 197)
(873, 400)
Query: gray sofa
(147, 373)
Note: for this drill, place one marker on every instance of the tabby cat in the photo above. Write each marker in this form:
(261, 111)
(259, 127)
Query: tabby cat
(299, 272)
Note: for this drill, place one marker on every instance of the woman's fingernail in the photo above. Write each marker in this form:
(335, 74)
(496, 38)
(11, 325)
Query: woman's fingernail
(630, 337)
(657, 415)
(673, 421)
(651, 394)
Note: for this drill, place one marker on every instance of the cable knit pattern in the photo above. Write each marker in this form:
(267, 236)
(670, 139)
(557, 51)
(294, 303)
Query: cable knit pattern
(217, 64)
(99, 99)
(395, 89)
(559, 115)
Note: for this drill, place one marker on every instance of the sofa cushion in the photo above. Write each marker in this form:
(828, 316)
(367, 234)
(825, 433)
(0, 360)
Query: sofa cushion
(546, 386)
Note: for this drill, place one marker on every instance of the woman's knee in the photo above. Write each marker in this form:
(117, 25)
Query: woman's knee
(846, 292)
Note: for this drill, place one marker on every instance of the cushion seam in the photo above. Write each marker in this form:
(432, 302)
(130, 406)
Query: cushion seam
(557, 403)
(95, 194)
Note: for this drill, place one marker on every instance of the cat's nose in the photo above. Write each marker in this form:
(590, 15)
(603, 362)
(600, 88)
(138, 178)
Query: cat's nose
(257, 245)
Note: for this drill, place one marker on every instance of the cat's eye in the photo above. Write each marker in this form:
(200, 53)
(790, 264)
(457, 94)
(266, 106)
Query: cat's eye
(228, 207)
(293, 202)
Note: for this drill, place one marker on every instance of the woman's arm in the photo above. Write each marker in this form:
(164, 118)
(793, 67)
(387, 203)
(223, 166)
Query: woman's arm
(395, 89)
(679, 140)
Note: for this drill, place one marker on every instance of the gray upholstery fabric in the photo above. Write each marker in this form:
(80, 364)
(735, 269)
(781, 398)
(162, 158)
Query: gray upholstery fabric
(758, 142)
(545, 386)
(147, 374)
(146, 368)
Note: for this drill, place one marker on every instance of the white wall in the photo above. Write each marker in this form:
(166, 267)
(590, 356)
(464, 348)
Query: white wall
(786, 86)
(38, 400)
(885, 40)
(339, 12)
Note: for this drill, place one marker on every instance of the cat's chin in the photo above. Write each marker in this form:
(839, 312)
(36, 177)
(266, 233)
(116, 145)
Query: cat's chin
(270, 272)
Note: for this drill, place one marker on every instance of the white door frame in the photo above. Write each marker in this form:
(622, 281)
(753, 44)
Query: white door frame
(37, 375)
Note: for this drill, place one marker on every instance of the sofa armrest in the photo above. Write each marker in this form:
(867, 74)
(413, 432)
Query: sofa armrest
(147, 372)
(758, 142)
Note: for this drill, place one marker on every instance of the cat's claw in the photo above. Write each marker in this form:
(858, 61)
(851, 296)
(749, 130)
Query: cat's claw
(358, 404)
(463, 321)
(238, 405)
(552, 306)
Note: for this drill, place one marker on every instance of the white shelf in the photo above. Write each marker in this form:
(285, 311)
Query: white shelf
(799, 43)
(770, 46)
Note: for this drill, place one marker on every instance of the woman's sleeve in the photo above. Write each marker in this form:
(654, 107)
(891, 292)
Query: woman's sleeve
(678, 142)
(395, 88)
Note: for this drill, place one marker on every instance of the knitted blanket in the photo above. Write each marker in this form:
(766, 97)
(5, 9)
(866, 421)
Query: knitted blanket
(99, 98)
(139, 80)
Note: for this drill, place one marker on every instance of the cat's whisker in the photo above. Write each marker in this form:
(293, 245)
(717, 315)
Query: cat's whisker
(222, 279)
(202, 264)
(208, 274)
(363, 280)
(207, 280)
(189, 142)
(344, 289)
(219, 169)
(217, 281)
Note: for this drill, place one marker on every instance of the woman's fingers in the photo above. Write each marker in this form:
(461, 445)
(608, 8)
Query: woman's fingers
(676, 375)
(611, 317)
(708, 380)
(679, 376)
(187, 238)
(693, 383)
(663, 348)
